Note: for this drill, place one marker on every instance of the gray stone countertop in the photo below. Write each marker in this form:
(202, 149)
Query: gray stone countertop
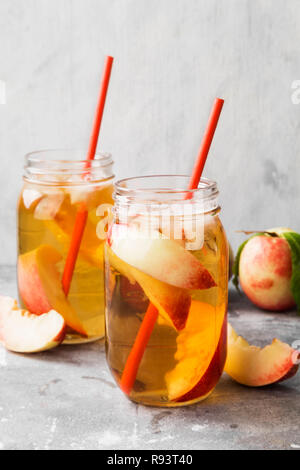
(67, 399)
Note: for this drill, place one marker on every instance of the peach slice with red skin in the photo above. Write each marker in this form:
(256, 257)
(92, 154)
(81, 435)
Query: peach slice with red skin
(214, 371)
(255, 367)
(169, 300)
(196, 355)
(161, 258)
(40, 285)
(23, 332)
(172, 302)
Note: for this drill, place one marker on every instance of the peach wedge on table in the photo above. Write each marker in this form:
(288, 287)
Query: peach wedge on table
(255, 367)
(40, 285)
(23, 332)
(161, 258)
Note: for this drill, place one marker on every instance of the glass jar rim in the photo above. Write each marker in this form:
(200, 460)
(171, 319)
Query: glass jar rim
(101, 158)
(156, 194)
(206, 188)
(49, 166)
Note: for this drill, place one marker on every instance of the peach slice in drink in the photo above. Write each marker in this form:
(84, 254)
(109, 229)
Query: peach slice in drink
(196, 347)
(91, 253)
(23, 332)
(62, 225)
(161, 258)
(172, 302)
(214, 371)
(58, 210)
(40, 285)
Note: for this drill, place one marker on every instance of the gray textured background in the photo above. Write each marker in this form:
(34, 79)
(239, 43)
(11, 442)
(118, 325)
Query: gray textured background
(172, 58)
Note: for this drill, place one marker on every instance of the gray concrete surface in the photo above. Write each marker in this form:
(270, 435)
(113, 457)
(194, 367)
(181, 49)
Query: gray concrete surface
(172, 57)
(66, 399)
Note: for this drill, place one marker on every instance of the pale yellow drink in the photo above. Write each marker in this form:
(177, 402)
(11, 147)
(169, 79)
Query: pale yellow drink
(46, 218)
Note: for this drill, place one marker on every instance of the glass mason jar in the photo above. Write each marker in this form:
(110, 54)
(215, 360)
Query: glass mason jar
(166, 264)
(57, 185)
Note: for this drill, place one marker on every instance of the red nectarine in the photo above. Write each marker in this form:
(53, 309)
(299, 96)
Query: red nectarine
(265, 271)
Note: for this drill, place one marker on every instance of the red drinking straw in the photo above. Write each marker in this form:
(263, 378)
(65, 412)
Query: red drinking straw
(206, 143)
(148, 323)
(82, 214)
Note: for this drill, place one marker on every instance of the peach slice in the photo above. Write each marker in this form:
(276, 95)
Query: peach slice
(214, 371)
(62, 225)
(91, 253)
(256, 367)
(196, 350)
(161, 258)
(23, 332)
(40, 285)
(172, 302)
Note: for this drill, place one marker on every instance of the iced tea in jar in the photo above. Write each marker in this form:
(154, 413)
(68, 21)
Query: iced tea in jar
(58, 184)
(166, 265)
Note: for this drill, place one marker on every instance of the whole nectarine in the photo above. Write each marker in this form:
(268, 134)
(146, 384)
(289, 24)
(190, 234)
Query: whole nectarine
(265, 272)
